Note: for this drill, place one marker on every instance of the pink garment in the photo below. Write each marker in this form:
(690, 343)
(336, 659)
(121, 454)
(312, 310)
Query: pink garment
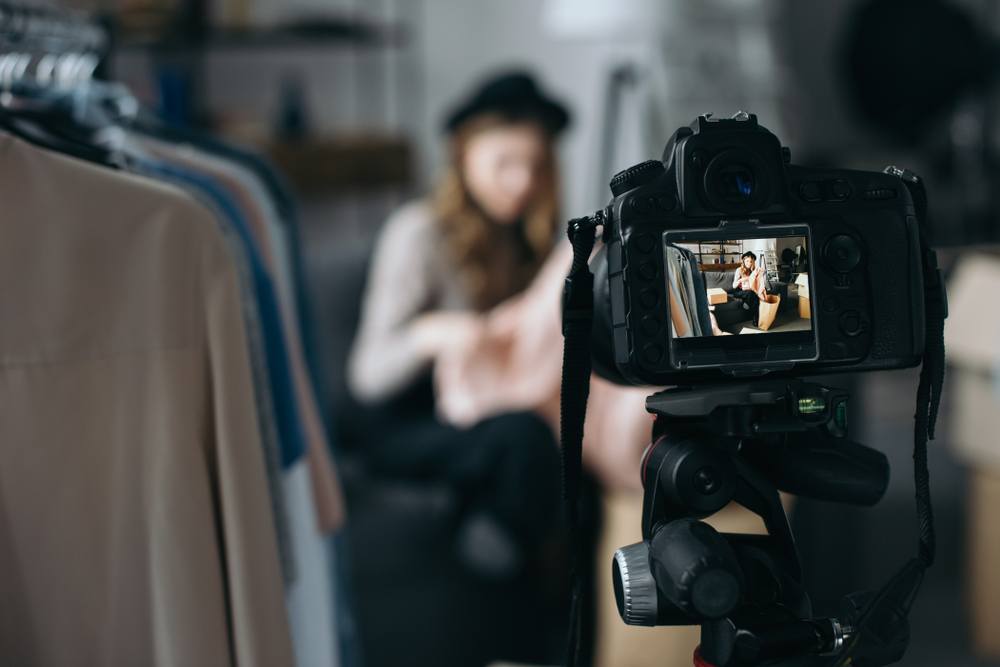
(517, 365)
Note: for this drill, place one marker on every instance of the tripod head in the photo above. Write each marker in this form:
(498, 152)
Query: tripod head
(743, 443)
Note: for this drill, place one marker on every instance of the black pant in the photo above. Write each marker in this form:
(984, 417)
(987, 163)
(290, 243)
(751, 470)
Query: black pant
(507, 466)
(752, 301)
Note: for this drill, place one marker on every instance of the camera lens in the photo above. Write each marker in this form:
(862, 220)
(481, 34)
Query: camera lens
(735, 183)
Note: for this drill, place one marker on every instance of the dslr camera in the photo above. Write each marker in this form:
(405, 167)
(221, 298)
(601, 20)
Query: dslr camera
(729, 274)
(835, 281)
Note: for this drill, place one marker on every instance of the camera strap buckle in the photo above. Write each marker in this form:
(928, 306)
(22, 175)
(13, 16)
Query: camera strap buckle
(578, 301)
(935, 296)
(578, 291)
(587, 224)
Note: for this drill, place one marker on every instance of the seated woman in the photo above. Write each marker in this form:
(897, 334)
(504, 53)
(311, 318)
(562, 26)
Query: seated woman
(748, 284)
(440, 263)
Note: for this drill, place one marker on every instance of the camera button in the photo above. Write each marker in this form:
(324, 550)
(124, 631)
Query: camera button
(650, 325)
(876, 194)
(652, 353)
(649, 298)
(842, 253)
(851, 323)
(640, 205)
(647, 270)
(645, 242)
(840, 190)
(810, 192)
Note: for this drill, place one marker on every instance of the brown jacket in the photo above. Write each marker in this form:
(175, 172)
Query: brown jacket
(135, 527)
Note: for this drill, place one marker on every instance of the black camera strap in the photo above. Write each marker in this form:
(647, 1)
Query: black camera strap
(881, 629)
(933, 368)
(578, 315)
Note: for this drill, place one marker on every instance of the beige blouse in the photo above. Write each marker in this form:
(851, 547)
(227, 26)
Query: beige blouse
(411, 274)
(135, 525)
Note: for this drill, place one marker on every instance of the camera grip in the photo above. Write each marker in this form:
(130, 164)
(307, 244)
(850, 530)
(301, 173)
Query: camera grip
(823, 468)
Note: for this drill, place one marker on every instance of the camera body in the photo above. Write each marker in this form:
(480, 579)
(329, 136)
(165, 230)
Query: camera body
(727, 186)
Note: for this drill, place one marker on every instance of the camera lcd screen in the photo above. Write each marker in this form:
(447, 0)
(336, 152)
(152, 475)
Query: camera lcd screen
(739, 299)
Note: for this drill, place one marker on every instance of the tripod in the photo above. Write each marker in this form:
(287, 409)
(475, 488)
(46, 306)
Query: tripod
(742, 443)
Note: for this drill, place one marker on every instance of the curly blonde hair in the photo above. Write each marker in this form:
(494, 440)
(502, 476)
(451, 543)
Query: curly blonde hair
(494, 261)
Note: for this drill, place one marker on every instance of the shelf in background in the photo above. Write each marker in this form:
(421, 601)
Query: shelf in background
(305, 34)
(335, 164)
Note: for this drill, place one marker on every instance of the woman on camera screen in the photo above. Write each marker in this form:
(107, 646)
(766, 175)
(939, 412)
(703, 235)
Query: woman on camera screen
(748, 283)
(440, 264)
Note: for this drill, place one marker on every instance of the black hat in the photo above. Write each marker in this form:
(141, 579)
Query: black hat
(513, 95)
(749, 254)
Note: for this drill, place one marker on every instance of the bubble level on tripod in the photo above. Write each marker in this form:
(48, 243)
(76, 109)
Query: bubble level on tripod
(811, 405)
(840, 414)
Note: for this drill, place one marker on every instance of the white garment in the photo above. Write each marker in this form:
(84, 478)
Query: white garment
(310, 596)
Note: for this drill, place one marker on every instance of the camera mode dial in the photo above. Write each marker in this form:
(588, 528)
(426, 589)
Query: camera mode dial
(636, 175)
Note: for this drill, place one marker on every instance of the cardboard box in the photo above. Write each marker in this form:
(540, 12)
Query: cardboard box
(982, 582)
(717, 295)
(802, 280)
(804, 307)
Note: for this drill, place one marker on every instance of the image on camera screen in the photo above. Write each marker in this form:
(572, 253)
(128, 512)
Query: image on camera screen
(734, 287)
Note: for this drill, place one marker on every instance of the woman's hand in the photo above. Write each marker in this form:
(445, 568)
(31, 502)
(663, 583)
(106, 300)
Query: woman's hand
(467, 375)
(441, 331)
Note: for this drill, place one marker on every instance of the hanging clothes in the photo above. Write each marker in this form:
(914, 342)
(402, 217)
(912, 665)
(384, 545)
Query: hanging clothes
(687, 290)
(279, 193)
(195, 456)
(285, 206)
(312, 492)
(133, 488)
(261, 221)
(700, 293)
(680, 319)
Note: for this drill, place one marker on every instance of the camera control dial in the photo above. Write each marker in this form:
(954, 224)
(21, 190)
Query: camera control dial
(635, 588)
(636, 175)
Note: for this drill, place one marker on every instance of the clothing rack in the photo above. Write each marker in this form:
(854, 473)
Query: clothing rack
(48, 46)
(196, 502)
